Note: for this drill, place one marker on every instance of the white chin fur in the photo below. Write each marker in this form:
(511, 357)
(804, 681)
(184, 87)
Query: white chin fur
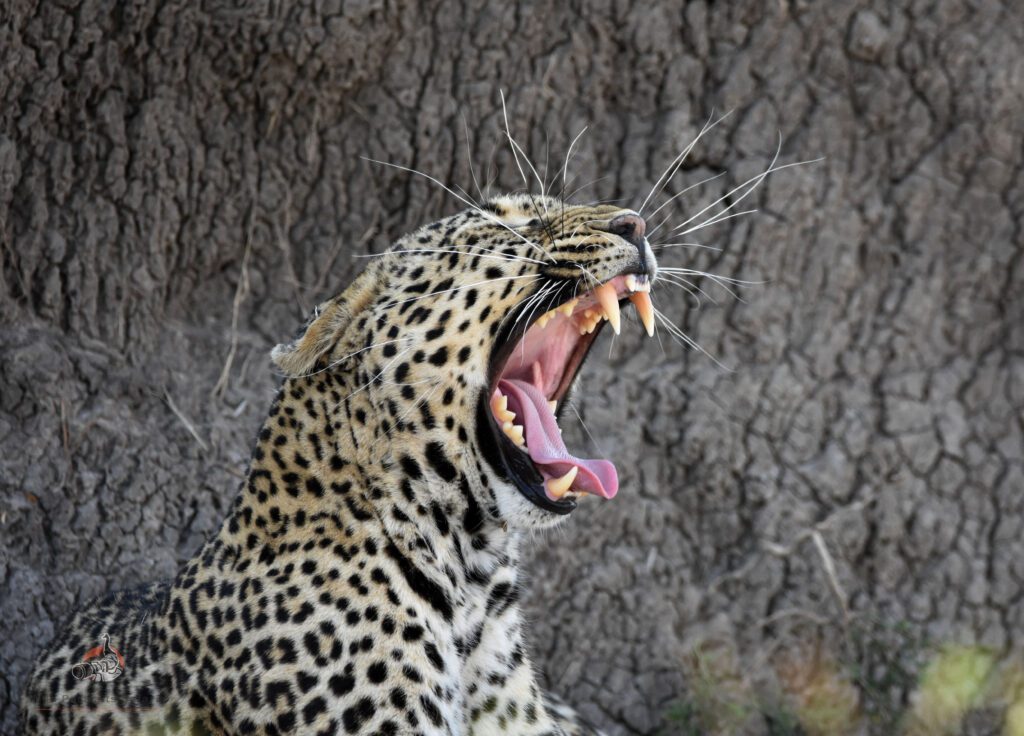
(521, 513)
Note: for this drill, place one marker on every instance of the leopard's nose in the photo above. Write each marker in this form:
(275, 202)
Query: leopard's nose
(629, 227)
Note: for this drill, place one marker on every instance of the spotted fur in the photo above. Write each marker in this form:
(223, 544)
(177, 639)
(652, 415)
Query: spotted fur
(366, 578)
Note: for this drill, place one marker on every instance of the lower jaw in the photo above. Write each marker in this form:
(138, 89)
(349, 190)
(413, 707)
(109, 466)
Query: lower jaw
(513, 465)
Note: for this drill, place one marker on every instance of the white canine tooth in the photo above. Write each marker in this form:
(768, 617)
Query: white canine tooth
(645, 309)
(558, 487)
(609, 300)
(499, 405)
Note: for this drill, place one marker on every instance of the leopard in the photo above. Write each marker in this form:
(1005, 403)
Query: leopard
(367, 576)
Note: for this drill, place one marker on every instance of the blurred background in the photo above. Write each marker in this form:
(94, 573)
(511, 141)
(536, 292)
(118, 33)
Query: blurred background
(820, 529)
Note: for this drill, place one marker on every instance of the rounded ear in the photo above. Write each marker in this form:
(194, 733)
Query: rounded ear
(329, 320)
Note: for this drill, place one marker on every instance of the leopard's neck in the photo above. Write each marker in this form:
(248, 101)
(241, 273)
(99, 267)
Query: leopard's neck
(308, 469)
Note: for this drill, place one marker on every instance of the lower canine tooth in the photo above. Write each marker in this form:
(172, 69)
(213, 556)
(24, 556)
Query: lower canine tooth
(558, 487)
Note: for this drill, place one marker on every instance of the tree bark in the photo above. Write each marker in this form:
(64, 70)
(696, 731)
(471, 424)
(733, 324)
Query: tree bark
(833, 483)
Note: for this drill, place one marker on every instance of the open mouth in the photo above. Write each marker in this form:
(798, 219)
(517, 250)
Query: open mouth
(533, 367)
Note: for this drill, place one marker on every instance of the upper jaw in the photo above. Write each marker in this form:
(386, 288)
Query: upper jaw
(585, 315)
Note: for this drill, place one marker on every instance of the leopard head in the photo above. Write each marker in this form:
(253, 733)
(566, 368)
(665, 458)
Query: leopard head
(453, 353)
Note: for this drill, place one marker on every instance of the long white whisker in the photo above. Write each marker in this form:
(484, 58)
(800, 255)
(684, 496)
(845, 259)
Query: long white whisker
(565, 168)
(713, 276)
(659, 246)
(515, 146)
(536, 301)
(671, 199)
(535, 298)
(717, 219)
(591, 183)
(678, 160)
(511, 142)
(755, 180)
(687, 286)
(469, 159)
(483, 213)
(683, 338)
(535, 174)
(587, 430)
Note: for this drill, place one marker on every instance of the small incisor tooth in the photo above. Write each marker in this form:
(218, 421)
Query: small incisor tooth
(645, 309)
(631, 281)
(553, 405)
(542, 321)
(558, 487)
(609, 301)
(567, 308)
(514, 432)
(499, 405)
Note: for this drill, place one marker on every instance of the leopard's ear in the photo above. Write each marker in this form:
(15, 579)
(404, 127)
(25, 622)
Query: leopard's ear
(329, 320)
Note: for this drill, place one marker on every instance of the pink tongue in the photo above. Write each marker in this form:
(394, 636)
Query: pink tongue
(544, 442)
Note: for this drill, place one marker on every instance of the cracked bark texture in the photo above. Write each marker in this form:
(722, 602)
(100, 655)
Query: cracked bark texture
(162, 162)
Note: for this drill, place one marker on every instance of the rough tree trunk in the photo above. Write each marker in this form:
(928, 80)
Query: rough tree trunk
(180, 182)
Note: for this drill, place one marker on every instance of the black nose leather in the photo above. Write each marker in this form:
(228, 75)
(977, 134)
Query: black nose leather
(629, 227)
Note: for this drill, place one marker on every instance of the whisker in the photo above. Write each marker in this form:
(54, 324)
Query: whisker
(483, 213)
(512, 144)
(469, 159)
(717, 219)
(689, 287)
(591, 183)
(565, 174)
(659, 246)
(526, 184)
(540, 298)
(535, 298)
(722, 282)
(685, 339)
(586, 429)
(678, 160)
(714, 276)
(673, 198)
(755, 180)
